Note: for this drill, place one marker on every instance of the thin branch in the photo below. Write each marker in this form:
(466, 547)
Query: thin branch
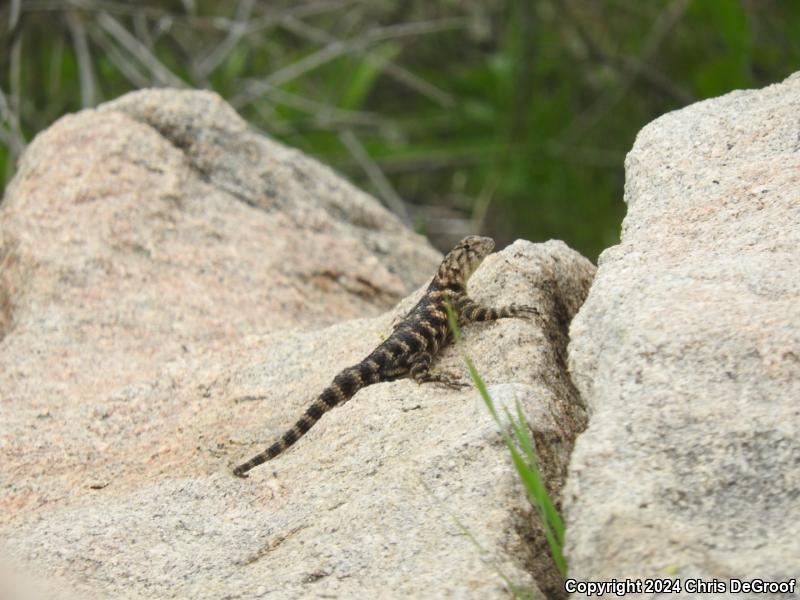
(11, 137)
(5, 113)
(141, 30)
(254, 89)
(276, 126)
(420, 85)
(5, 136)
(431, 161)
(213, 59)
(127, 9)
(85, 71)
(668, 18)
(13, 15)
(159, 72)
(308, 32)
(310, 9)
(629, 65)
(416, 28)
(12, 103)
(127, 68)
(188, 18)
(398, 72)
(336, 48)
(451, 158)
(375, 175)
(324, 113)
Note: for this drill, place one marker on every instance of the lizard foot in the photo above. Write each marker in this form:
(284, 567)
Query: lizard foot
(447, 381)
(524, 312)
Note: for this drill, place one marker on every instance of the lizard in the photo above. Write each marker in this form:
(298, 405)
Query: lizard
(410, 348)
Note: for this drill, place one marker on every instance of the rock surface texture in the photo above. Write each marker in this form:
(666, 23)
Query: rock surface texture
(167, 284)
(687, 354)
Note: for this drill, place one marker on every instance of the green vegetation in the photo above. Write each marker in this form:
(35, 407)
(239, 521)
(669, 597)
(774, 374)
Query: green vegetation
(509, 117)
(523, 456)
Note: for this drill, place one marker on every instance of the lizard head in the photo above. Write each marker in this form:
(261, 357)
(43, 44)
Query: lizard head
(463, 260)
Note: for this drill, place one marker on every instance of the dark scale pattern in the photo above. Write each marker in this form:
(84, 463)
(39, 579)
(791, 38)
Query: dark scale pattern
(410, 349)
(314, 412)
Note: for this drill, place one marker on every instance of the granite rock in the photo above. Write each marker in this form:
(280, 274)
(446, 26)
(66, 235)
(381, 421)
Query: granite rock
(174, 290)
(687, 354)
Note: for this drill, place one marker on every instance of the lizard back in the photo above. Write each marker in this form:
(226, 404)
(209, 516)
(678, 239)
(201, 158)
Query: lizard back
(410, 348)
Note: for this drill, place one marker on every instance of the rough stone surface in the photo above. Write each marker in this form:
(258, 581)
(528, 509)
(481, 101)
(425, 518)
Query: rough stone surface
(687, 354)
(123, 265)
(165, 274)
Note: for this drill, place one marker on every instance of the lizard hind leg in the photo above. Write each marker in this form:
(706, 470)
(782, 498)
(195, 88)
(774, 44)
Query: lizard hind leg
(421, 373)
(420, 370)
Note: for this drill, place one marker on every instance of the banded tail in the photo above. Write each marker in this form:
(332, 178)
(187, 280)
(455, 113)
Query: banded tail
(344, 387)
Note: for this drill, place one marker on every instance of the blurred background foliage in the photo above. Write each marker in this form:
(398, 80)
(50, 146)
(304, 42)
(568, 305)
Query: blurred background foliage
(508, 117)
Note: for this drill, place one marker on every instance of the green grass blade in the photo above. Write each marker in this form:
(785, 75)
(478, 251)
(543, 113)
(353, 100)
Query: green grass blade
(523, 456)
(522, 434)
(365, 74)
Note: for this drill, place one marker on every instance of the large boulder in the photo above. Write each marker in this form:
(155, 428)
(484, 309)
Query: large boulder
(167, 284)
(687, 354)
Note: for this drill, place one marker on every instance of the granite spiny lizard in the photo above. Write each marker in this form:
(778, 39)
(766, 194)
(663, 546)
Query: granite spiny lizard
(409, 350)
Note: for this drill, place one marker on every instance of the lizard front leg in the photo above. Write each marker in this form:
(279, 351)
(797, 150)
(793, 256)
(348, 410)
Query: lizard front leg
(469, 311)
